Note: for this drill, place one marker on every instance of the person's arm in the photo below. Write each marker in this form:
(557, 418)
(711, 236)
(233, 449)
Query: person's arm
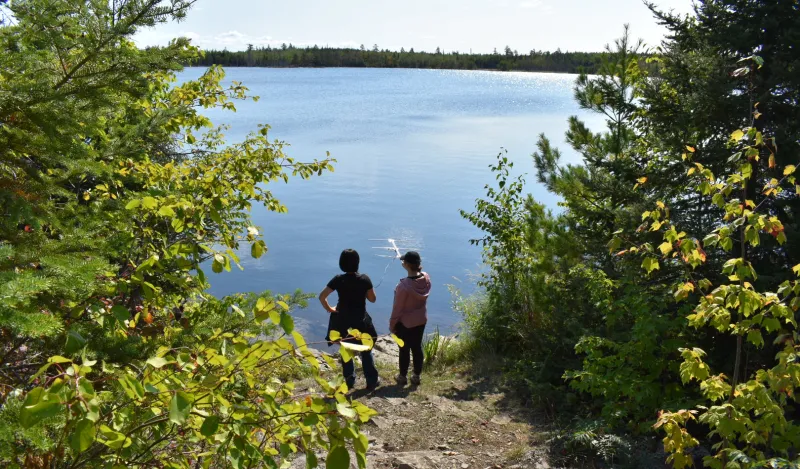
(370, 290)
(397, 307)
(323, 298)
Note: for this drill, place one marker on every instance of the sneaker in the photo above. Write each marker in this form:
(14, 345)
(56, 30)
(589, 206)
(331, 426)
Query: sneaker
(401, 380)
(415, 380)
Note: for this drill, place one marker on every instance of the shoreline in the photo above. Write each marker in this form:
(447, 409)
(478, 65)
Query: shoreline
(384, 68)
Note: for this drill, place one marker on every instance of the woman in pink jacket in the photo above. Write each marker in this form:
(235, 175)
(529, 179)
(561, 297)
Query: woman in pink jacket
(410, 314)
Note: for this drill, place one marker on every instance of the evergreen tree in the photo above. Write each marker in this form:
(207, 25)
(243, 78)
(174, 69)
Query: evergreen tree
(118, 196)
(671, 270)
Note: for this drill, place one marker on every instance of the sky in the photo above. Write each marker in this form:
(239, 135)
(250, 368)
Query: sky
(452, 25)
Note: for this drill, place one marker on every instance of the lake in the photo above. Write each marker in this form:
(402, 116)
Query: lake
(412, 148)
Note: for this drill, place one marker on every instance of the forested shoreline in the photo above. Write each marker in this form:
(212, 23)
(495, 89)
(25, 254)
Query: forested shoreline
(506, 60)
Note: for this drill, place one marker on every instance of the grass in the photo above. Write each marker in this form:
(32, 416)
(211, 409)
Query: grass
(441, 351)
(434, 347)
(516, 453)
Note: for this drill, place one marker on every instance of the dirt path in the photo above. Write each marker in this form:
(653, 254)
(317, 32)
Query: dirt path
(449, 421)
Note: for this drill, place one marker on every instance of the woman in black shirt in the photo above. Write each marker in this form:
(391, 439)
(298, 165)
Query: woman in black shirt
(350, 312)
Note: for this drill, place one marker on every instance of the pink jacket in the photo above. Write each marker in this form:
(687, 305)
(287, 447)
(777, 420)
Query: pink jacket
(410, 298)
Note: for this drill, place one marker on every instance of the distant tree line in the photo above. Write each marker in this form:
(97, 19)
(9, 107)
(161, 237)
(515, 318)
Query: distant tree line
(288, 55)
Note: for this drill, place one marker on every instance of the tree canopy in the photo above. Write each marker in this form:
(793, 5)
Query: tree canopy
(291, 56)
(116, 195)
(664, 293)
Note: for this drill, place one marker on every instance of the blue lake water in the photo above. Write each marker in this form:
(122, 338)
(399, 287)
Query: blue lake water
(412, 148)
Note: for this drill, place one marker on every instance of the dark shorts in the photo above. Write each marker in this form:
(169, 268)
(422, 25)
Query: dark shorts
(342, 322)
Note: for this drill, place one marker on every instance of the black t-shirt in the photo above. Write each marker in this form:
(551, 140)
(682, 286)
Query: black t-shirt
(352, 290)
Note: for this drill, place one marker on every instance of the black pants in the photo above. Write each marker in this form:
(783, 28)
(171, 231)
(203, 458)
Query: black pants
(412, 338)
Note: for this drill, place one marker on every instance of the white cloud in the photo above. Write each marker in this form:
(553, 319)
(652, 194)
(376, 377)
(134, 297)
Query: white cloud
(536, 5)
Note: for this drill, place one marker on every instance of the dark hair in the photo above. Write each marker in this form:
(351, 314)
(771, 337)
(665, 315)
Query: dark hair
(413, 259)
(348, 260)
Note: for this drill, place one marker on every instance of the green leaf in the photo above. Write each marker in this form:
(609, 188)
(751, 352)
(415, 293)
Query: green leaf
(149, 203)
(178, 225)
(361, 443)
(311, 460)
(82, 436)
(210, 425)
(38, 406)
(166, 212)
(133, 204)
(258, 249)
(74, 342)
(132, 387)
(158, 362)
(771, 324)
(263, 305)
(287, 323)
(650, 264)
(346, 411)
(86, 389)
(120, 312)
(346, 355)
(338, 458)
(58, 359)
(747, 170)
(114, 439)
(275, 316)
(179, 407)
(361, 458)
(334, 335)
(755, 338)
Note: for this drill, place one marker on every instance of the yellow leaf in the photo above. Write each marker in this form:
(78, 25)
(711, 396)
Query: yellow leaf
(642, 180)
(737, 135)
(346, 355)
(401, 343)
(788, 170)
(665, 248)
(660, 204)
(771, 161)
(690, 149)
(334, 336)
(355, 347)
